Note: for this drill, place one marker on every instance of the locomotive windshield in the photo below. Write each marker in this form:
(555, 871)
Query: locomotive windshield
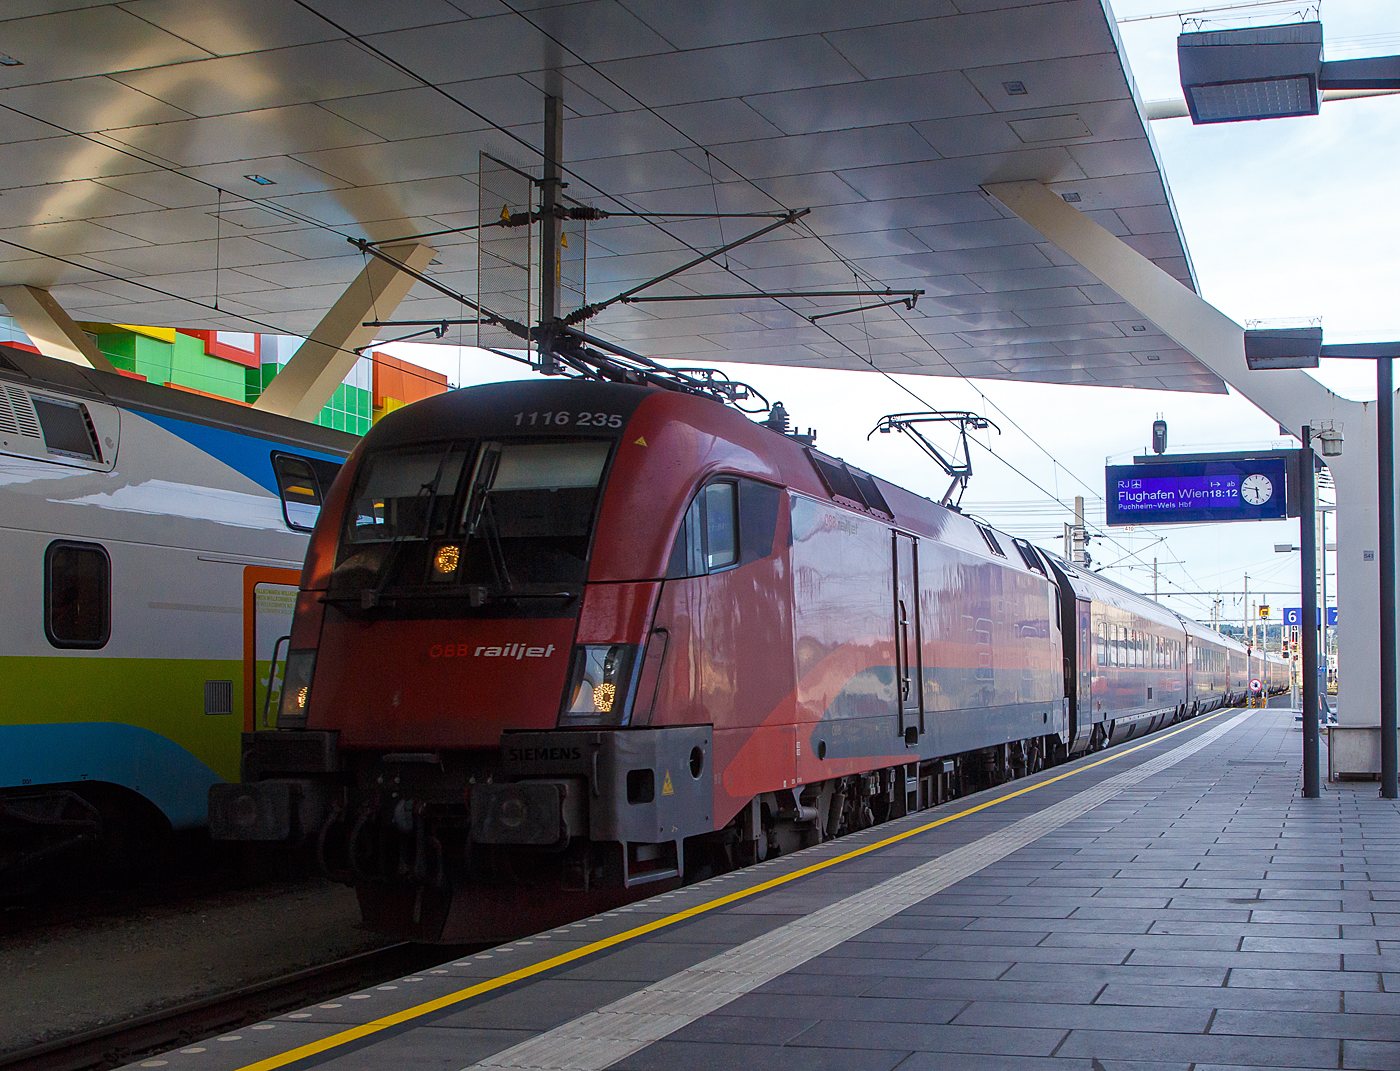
(499, 517)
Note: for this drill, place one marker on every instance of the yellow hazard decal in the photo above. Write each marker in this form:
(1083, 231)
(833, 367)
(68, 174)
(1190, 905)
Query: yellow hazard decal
(640, 441)
(668, 789)
(505, 211)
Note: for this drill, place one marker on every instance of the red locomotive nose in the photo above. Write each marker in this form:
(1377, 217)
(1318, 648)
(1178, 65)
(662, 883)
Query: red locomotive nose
(439, 684)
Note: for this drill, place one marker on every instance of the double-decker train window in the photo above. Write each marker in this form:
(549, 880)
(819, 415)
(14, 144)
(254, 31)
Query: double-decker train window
(77, 595)
(68, 430)
(301, 484)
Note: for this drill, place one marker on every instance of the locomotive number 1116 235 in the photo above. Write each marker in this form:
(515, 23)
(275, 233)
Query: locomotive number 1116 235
(562, 419)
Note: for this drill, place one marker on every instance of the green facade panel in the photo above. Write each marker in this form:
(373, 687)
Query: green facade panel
(186, 364)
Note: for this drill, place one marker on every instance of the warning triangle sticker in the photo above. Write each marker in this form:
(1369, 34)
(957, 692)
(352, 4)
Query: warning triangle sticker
(639, 441)
(505, 211)
(667, 789)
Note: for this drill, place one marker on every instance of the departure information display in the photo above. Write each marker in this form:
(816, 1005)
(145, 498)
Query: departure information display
(1239, 489)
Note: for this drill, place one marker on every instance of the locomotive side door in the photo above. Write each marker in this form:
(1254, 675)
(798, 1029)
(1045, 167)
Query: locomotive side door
(1084, 681)
(909, 685)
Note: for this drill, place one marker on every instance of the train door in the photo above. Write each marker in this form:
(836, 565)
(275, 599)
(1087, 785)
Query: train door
(1084, 672)
(909, 685)
(269, 597)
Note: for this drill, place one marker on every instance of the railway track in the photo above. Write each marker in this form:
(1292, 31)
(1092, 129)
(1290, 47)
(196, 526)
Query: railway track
(184, 1024)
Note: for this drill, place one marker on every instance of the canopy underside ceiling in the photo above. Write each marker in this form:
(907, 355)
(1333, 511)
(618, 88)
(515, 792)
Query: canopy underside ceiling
(131, 132)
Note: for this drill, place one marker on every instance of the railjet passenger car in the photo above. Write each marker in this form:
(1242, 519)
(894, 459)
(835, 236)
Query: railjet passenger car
(559, 645)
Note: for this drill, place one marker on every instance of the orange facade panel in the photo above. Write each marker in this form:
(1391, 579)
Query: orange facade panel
(399, 382)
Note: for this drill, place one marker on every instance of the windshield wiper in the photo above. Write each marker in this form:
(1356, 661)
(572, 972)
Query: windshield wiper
(475, 594)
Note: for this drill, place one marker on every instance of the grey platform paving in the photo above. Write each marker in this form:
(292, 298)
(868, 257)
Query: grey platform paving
(1204, 917)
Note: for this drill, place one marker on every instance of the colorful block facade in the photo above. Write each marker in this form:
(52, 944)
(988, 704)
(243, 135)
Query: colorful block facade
(239, 366)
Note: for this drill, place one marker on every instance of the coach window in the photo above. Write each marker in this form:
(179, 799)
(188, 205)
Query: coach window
(300, 490)
(77, 595)
(67, 428)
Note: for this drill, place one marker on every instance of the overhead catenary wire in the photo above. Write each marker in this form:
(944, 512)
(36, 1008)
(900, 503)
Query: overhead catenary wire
(867, 358)
(253, 321)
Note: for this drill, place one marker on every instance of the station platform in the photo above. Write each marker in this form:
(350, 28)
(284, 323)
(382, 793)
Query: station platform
(1169, 904)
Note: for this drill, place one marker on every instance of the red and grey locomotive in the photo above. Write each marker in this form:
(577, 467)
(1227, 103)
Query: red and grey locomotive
(559, 645)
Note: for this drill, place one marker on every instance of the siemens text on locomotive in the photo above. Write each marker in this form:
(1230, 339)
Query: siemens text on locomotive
(559, 645)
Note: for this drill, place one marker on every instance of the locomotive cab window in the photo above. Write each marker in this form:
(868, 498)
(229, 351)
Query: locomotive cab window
(730, 522)
(77, 595)
(721, 525)
(493, 514)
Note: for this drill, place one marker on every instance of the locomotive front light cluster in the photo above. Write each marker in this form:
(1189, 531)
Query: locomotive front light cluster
(445, 561)
(296, 689)
(600, 684)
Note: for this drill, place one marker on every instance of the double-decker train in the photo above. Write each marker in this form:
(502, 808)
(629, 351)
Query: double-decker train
(151, 541)
(560, 645)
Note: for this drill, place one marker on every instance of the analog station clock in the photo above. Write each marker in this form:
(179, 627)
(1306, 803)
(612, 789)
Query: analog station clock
(1256, 489)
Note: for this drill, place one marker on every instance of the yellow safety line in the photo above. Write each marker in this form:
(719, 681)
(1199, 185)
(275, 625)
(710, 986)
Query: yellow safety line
(427, 1008)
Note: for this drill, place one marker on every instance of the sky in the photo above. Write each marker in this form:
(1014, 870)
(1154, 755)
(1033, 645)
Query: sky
(1284, 219)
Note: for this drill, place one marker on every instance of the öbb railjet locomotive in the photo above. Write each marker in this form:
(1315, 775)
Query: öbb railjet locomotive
(559, 645)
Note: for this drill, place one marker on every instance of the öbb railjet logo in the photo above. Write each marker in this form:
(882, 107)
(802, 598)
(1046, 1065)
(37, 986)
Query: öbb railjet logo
(510, 650)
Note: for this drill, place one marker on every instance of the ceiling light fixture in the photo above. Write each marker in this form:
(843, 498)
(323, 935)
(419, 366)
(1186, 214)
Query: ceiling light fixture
(1072, 198)
(1014, 89)
(10, 61)
(260, 180)
(1259, 72)
(1283, 348)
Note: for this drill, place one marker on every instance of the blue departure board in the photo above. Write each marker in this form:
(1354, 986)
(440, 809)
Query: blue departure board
(1238, 489)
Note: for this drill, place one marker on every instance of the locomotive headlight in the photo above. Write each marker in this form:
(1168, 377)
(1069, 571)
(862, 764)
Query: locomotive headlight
(445, 561)
(296, 689)
(599, 691)
(603, 696)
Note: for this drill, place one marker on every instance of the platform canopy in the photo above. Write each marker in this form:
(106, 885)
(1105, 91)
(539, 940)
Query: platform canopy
(203, 163)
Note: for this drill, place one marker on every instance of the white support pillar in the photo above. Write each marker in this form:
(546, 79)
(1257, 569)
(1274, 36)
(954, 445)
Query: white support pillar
(52, 330)
(1291, 397)
(323, 361)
